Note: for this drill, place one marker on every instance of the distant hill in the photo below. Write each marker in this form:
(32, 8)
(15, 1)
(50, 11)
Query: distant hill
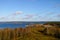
(54, 23)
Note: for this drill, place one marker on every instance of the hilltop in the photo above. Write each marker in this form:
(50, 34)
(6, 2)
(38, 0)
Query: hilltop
(32, 32)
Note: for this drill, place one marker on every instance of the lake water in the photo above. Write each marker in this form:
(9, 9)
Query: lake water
(17, 24)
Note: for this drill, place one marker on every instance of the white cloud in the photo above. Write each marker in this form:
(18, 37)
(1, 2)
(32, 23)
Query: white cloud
(19, 12)
(27, 17)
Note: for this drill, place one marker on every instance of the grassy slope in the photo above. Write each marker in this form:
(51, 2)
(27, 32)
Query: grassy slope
(35, 32)
(37, 35)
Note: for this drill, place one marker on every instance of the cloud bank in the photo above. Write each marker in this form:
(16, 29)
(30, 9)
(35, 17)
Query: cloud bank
(30, 17)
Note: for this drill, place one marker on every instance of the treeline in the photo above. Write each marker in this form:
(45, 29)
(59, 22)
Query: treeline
(31, 32)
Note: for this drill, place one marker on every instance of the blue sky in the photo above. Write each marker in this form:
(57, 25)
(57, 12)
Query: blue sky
(29, 10)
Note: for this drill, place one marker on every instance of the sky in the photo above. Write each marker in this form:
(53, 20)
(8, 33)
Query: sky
(29, 10)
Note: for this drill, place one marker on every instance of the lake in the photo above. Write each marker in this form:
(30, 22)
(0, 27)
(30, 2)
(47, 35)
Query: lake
(17, 24)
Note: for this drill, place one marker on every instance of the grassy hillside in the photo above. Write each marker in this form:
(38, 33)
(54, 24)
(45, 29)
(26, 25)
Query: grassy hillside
(31, 32)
